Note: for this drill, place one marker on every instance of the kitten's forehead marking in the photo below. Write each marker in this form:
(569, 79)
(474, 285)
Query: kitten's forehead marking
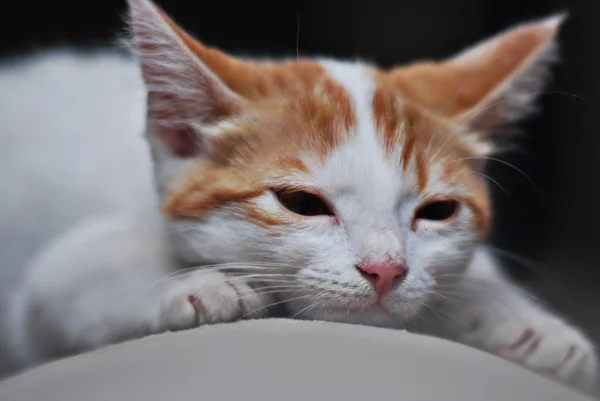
(360, 164)
(355, 172)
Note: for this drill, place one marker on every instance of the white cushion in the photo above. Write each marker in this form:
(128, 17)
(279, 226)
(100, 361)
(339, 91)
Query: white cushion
(284, 360)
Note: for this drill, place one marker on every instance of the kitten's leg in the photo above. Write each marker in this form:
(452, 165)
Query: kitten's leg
(90, 287)
(498, 317)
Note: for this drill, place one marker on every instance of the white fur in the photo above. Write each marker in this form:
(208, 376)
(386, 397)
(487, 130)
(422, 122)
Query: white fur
(71, 148)
(79, 219)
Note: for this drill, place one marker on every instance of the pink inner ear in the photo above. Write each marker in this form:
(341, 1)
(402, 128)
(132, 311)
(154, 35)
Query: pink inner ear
(179, 141)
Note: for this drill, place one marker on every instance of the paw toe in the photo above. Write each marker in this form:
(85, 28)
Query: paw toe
(220, 304)
(566, 356)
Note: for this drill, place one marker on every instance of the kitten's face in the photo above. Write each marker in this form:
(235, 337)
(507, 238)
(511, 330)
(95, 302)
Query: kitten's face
(354, 191)
(339, 175)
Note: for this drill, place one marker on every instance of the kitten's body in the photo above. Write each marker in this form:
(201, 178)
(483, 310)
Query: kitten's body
(81, 197)
(43, 196)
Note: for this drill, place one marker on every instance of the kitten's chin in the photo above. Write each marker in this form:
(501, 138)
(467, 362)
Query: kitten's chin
(385, 315)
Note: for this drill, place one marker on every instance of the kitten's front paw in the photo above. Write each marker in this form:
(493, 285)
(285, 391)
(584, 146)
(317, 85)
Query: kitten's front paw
(207, 298)
(545, 345)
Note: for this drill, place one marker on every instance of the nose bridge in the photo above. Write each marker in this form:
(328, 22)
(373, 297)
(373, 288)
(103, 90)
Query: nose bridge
(381, 244)
(373, 230)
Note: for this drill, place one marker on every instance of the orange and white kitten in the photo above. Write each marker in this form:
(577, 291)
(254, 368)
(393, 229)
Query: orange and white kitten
(326, 189)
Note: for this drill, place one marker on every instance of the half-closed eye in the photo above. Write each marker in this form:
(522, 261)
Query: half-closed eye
(440, 211)
(303, 203)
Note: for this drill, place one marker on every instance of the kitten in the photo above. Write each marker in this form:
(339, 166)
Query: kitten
(334, 190)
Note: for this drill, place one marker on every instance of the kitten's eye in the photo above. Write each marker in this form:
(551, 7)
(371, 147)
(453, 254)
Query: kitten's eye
(438, 210)
(303, 203)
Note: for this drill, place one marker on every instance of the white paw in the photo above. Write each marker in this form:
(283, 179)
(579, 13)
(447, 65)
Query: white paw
(545, 345)
(208, 298)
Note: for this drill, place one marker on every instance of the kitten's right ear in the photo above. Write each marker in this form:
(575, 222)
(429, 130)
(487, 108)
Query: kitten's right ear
(185, 96)
(490, 86)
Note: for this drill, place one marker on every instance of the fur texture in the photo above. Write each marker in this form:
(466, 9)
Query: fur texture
(281, 184)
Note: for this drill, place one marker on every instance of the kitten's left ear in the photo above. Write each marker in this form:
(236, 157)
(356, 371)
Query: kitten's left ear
(490, 85)
(186, 82)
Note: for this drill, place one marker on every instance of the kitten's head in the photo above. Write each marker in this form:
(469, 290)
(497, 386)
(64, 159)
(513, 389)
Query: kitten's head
(357, 189)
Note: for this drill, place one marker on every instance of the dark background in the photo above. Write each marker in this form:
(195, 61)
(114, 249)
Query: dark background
(560, 152)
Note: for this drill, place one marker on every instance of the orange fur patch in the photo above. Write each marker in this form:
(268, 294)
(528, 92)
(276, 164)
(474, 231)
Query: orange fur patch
(294, 109)
(423, 140)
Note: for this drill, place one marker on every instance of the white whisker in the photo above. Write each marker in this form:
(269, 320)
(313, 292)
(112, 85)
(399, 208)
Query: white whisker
(275, 303)
(505, 163)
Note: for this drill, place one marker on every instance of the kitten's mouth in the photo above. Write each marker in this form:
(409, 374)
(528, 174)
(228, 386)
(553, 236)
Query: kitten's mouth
(376, 307)
(380, 307)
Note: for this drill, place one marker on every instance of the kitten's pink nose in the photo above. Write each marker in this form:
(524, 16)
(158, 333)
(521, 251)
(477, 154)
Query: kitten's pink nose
(383, 276)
